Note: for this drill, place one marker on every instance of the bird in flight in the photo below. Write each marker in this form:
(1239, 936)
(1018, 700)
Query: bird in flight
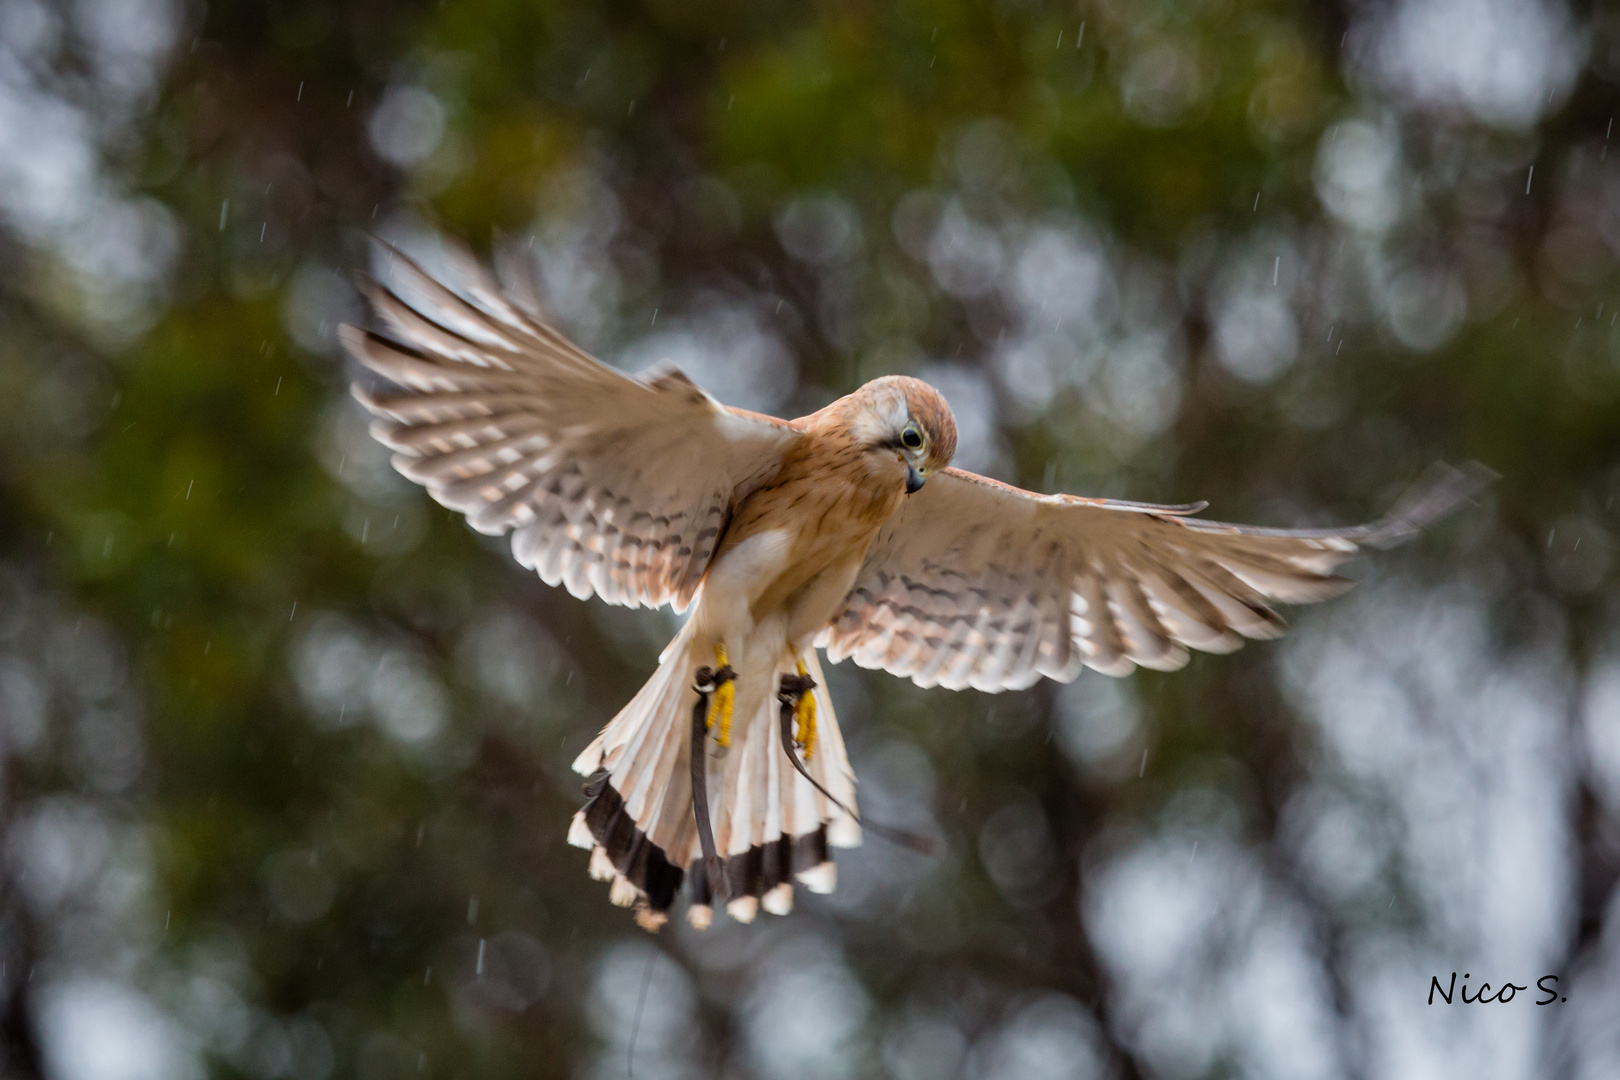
(845, 530)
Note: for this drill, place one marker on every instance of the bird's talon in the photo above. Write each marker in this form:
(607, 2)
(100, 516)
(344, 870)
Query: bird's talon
(799, 690)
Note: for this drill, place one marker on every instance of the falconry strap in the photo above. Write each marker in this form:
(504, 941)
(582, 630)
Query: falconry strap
(709, 681)
(796, 687)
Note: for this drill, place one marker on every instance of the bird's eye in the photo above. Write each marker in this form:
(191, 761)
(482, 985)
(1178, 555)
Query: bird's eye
(911, 438)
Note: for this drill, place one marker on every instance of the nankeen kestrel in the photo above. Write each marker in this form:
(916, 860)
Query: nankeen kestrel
(843, 530)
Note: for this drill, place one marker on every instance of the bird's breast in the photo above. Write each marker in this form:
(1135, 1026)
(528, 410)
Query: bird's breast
(828, 507)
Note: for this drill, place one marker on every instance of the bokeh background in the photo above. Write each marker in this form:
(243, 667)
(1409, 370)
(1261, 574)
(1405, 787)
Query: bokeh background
(285, 746)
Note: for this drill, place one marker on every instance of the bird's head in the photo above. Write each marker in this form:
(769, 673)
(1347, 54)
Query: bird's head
(906, 419)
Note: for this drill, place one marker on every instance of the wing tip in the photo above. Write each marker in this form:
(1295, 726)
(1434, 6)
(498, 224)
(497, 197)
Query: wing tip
(1438, 493)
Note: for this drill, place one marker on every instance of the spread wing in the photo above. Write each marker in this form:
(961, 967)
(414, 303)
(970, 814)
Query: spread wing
(610, 485)
(977, 583)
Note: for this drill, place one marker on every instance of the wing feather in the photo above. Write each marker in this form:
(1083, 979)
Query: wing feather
(977, 583)
(611, 486)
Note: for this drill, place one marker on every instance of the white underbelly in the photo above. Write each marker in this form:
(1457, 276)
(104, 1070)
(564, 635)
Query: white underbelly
(729, 610)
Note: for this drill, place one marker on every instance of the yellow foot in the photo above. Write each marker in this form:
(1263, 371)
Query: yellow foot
(804, 717)
(725, 698)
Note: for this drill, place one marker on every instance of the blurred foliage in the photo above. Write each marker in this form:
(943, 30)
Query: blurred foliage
(181, 467)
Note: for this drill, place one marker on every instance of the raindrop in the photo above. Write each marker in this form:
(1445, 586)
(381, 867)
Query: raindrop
(300, 92)
(654, 318)
(472, 910)
(262, 230)
(278, 387)
(1257, 202)
(1528, 179)
(479, 969)
(346, 104)
(1276, 268)
(1081, 37)
(188, 489)
(224, 211)
(1142, 769)
(427, 975)
(294, 611)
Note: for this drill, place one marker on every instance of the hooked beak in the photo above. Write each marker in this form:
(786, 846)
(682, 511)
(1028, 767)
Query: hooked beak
(914, 480)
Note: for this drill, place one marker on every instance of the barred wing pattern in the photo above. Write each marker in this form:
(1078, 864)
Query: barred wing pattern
(978, 583)
(613, 486)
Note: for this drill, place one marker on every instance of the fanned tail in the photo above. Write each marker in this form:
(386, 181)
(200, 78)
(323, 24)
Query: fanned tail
(770, 825)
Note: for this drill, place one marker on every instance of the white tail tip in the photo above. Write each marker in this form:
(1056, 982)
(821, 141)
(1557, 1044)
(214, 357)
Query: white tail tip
(601, 868)
(622, 893)
(778, 901)
(579, 833)
(842, 831)
(821, 878)
(700, 916)
(743, 909)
